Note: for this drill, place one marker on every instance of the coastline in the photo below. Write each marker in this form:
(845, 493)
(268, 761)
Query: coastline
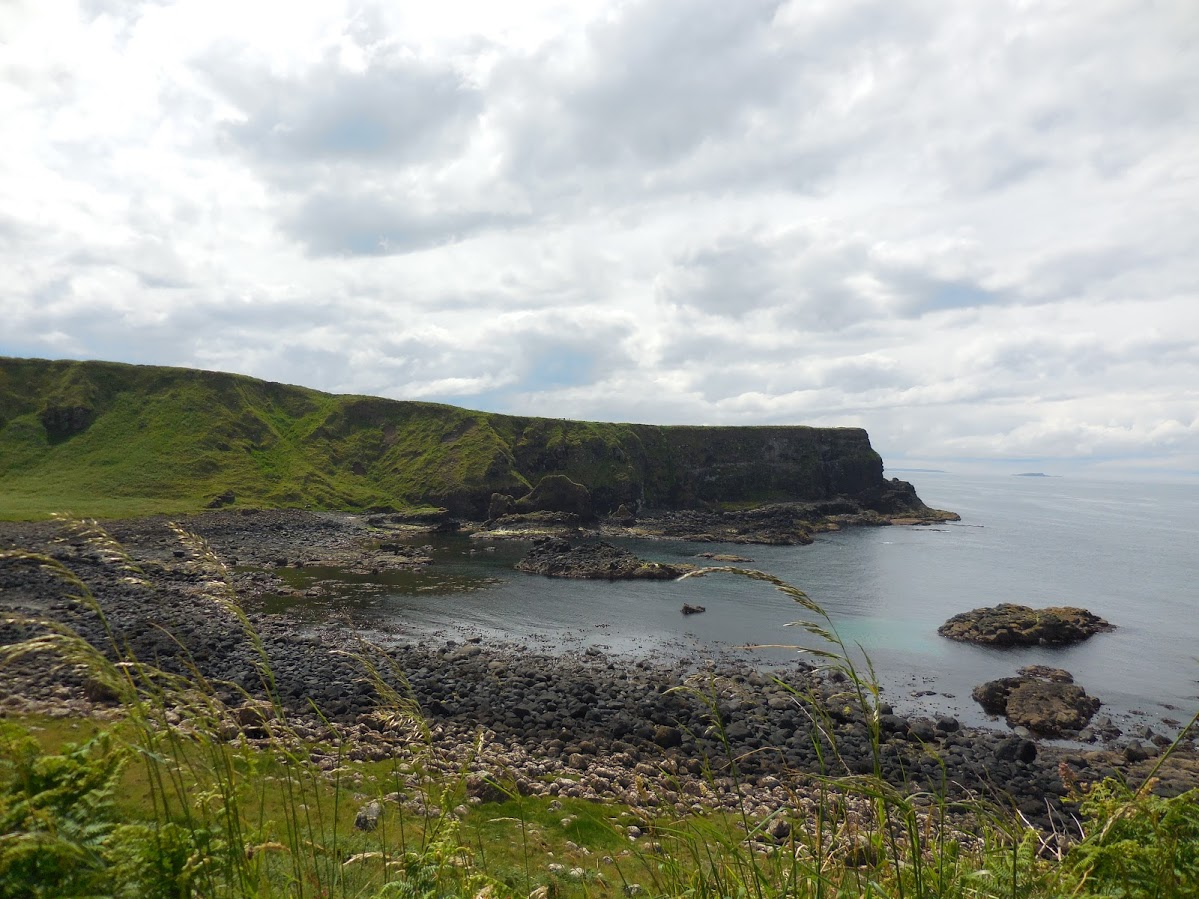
(575, 712)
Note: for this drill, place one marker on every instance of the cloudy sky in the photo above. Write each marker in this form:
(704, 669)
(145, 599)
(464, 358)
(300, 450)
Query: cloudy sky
(972, 228)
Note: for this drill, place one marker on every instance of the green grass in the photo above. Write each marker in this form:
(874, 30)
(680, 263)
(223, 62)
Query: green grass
(169, 440)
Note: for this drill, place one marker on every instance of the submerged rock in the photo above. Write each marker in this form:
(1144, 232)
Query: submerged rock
(557, 557)
(1012, 625)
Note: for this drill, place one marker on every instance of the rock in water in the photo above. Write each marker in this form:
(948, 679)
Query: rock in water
(689, 609)
(1011, 625)
(556, 557)
(1049, 706)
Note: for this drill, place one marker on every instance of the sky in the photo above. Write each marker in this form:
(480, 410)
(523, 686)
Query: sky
(970, 228)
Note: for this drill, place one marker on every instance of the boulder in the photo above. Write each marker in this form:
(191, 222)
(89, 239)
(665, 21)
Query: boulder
(367, 819)
(1048, 706)
(485, 788)
(993, 695)
(221, 500)
(667, 736)
(624, 516)
(1011, 625)
(501, 504)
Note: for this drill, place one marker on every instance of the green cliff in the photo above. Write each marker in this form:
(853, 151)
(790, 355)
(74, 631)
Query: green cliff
(100, 438)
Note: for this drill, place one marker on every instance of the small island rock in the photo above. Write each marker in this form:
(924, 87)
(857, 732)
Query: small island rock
(557, 557)
(1008, 624)
(1046, 703)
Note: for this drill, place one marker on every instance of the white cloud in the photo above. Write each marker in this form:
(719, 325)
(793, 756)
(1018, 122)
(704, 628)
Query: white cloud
(968, 229)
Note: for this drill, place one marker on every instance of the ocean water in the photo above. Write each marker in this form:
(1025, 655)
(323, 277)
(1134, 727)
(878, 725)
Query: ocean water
(1128, 552)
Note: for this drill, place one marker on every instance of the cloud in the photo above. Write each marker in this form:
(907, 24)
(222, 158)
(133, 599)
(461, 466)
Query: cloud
(393, 112)
(969, 230)
(354, 222)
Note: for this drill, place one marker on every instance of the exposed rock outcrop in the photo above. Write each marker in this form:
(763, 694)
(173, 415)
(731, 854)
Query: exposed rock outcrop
(1044, 700)
(556, 557)
(1012, 625)
(624, 516)
(501, 504)
(62, 422)
(780, 524)
(556, 493)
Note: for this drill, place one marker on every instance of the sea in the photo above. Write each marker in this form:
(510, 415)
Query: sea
(1128, 552)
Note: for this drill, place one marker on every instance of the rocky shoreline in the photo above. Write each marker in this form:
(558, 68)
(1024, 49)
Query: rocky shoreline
(588, 723)
(776, 524)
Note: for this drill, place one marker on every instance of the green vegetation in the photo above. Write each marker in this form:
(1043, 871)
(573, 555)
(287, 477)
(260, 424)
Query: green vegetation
(185, 796)
(111, 440)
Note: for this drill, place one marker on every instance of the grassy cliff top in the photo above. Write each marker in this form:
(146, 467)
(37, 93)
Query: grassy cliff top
(108, 439)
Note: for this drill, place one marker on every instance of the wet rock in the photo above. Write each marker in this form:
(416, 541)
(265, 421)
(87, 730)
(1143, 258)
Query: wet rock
(780, 524)
(1045, 672)
(1047, 708)
(1013, 625)
(558, 557)
(922, 729)
(723, 557)
(1050, 708)
(1136, 752)
(993, 695)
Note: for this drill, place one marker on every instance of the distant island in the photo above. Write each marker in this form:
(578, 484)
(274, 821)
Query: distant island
(1031, 474)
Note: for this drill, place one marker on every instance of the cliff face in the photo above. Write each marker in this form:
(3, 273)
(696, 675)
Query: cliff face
(104, 438)
(685, 467)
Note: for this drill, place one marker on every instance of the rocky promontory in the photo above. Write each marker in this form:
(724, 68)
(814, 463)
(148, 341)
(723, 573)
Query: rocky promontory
(258, 444)
(1013, 625)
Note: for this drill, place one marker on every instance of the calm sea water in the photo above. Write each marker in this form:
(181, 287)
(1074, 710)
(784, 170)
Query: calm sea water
(1128, 552)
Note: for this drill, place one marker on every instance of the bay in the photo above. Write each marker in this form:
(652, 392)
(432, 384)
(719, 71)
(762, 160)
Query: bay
(1126, 551)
